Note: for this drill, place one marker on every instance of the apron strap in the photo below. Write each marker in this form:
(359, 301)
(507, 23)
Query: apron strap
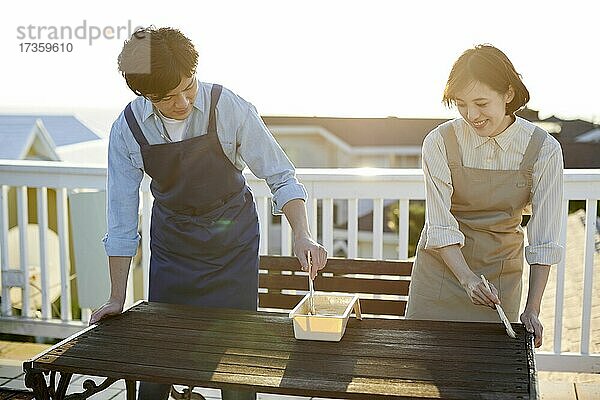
(215, 94)
(134, 127)
(533, 149)
(451, 144)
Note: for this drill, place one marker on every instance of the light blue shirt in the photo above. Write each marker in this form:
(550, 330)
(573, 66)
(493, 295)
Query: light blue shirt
(245, 139)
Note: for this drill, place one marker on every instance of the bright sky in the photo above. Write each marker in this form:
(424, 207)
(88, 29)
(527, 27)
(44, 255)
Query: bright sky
(309, 57)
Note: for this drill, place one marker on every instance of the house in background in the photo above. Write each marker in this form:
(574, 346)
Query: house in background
(43, 138)
(579, 139)
(325, 142)
(49, 138)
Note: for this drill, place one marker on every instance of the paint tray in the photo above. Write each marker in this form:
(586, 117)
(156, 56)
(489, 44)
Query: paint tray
(331, 316)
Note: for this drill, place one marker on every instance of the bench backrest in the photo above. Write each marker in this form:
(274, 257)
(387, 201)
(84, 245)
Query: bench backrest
(382, 286)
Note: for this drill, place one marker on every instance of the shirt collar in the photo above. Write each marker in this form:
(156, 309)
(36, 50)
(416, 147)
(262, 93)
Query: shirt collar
(148, 108)
(503, 140)
(478, 141)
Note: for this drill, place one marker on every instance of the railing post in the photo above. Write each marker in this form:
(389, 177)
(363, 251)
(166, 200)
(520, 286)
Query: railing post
(403, 225)
(560, 283)
(378, 229)
(42, 216)
(591, 207)
(327, 222)
(6, 302)
(262, 206)
(23, 219)
(352, 228)
(65, 263)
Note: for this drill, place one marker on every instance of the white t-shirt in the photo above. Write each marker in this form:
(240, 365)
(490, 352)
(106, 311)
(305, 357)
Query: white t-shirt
(175, 127)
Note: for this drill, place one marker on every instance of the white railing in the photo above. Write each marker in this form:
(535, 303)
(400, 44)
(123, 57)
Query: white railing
(332, 193)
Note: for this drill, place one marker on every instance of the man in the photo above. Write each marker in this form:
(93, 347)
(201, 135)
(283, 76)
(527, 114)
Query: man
(193, 139)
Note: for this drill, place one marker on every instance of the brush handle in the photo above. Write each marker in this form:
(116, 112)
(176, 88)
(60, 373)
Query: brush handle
(505, 321)
(311, 287)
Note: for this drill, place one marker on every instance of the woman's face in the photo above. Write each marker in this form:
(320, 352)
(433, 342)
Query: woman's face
(484, 109)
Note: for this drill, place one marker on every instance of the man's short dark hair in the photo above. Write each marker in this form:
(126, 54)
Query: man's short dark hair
(154, 61)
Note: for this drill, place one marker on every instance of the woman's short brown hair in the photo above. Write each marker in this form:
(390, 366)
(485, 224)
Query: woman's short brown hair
(153, 61)
(486, 64)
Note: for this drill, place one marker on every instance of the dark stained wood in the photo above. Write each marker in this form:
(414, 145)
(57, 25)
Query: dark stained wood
(376, 358)
(363, 277)
(335, 283)
(278, 300)
(341, 265)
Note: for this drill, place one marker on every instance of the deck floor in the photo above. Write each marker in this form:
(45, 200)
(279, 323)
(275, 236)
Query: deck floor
(552, 386)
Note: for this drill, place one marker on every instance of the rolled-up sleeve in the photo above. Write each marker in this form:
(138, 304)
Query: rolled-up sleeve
(123, 183)
(543, 229)
(265, 158)
(441, 228)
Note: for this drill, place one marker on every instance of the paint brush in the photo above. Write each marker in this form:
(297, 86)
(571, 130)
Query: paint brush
(509, 330)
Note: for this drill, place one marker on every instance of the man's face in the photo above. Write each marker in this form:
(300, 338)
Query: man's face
(179, 102)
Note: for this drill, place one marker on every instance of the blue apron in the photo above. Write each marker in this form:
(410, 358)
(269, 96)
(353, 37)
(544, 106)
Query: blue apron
(204, 232)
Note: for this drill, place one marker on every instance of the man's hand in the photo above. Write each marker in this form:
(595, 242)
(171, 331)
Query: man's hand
(295, 212)
(304, 245)
(111, 307)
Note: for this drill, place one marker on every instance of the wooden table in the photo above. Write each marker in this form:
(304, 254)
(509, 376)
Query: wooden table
(219, 348)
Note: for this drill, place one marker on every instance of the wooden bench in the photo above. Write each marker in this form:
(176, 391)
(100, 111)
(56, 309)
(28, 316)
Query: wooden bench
(382, 286)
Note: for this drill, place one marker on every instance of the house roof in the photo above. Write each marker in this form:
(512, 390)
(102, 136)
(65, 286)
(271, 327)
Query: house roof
(592, 136)
(16, 132)
(366, 132)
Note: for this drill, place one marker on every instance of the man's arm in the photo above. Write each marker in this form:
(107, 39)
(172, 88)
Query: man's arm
(121, 240)
(295, 212)
(265, 158)
(119, 271)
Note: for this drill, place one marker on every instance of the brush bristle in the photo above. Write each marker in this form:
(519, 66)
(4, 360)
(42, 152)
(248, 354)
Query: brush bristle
(511, 333)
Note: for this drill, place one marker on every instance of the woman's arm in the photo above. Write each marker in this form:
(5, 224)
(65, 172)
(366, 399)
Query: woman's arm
(538, 277)
(472, 283)
(543, 231)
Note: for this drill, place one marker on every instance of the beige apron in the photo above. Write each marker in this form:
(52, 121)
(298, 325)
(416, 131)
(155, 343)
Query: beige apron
(488, 205)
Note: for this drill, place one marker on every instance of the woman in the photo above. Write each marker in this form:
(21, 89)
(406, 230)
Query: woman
(481, 172)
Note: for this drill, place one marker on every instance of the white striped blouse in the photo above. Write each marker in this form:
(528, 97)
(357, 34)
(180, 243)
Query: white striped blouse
(503, 152)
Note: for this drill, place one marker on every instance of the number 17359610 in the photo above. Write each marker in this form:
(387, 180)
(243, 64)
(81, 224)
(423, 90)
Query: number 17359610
(45, 47)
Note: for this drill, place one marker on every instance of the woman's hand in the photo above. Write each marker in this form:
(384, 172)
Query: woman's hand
(479, 294)
(532, 323)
